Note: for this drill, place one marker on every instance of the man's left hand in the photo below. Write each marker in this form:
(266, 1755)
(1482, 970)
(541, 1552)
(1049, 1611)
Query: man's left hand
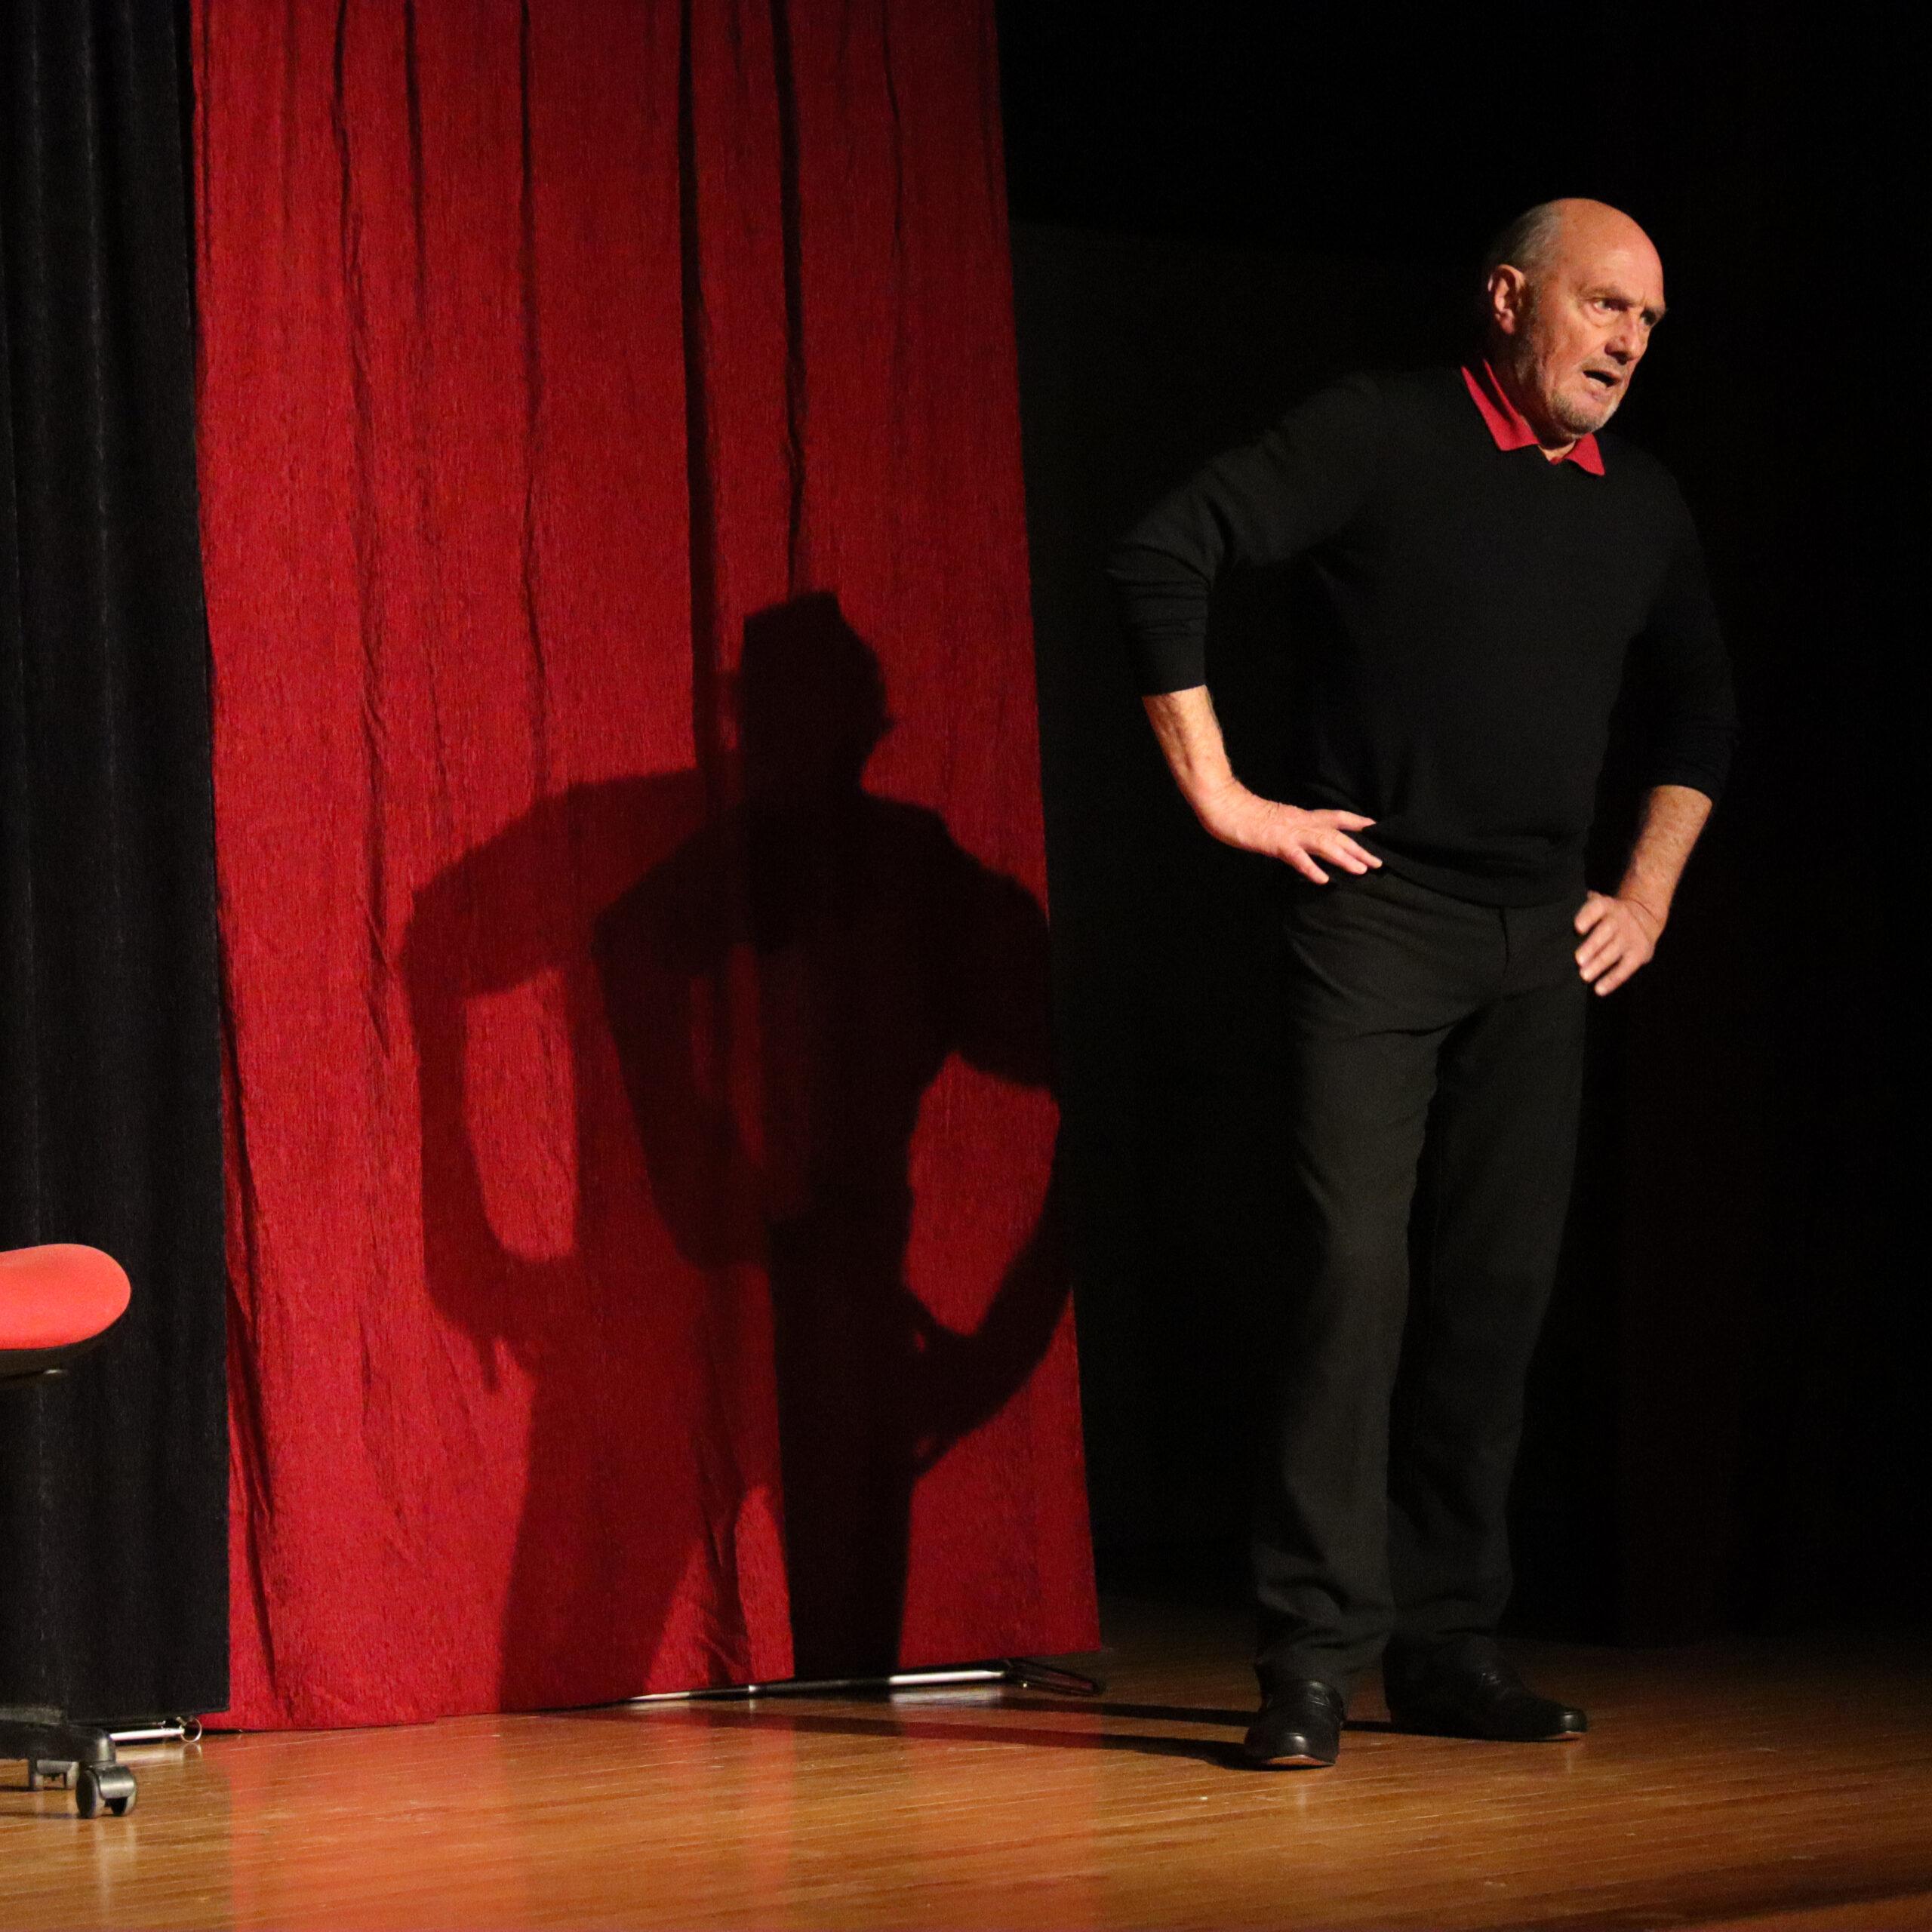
(1620, 935)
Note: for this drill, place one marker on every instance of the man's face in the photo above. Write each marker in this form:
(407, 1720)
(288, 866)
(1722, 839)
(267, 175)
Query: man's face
(1574, 330)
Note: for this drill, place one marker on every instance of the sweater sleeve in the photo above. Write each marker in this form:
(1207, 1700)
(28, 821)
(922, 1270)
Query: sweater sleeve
(1680, 651)
(1258, 505)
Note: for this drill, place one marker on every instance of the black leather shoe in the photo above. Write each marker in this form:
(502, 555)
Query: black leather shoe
(1468, 1689)
(1299, 1723)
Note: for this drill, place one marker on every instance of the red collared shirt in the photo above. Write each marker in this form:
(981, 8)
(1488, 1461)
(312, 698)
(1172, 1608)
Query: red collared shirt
(1510, 428)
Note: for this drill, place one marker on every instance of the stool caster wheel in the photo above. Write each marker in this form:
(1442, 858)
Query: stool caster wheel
(99, 1788)
(49, 1771)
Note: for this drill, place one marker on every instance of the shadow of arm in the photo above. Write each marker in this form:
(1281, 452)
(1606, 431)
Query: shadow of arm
(473, 1279)
(1001, 1024)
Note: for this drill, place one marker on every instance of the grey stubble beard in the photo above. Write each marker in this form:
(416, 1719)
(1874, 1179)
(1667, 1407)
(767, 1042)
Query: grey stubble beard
(1520, 359)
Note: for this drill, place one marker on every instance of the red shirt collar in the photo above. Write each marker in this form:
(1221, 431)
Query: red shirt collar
(1511, 429)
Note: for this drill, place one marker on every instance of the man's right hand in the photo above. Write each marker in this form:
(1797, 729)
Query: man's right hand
(1190, 737)
(1238, 816)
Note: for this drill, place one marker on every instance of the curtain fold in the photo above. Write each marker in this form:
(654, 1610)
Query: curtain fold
(647, 1269)
(113, 1593)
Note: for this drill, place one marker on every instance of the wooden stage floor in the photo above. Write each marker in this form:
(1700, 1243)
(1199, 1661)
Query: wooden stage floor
(1734, 1785)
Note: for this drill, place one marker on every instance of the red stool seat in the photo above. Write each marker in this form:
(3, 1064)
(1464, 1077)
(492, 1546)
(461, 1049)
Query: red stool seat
(54, 1301)
(58, 1297)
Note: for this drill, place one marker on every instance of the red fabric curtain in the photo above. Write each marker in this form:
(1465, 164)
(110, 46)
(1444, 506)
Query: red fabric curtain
(645, 1268)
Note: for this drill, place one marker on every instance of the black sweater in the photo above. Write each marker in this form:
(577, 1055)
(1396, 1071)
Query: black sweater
(1479, 606)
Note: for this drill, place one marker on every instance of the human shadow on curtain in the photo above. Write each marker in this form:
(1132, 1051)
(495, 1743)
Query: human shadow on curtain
(781, 983)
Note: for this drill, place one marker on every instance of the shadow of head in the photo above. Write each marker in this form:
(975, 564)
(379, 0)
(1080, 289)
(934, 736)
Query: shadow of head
(809, 698)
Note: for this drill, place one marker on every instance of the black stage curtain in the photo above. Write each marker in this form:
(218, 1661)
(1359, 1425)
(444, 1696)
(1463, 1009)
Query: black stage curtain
(113, 1488)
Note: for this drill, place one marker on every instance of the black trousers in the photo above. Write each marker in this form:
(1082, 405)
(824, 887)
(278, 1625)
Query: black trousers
(1435, 1059)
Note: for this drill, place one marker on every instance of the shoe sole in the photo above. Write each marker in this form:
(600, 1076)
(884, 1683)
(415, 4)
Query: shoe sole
(1293, 1761)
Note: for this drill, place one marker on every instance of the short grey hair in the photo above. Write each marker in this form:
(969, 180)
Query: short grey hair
(1527, 243)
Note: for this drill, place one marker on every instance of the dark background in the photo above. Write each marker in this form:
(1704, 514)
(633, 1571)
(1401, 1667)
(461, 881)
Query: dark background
(1216, 207)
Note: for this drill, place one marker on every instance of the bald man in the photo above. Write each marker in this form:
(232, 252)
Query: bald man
(1488, 566)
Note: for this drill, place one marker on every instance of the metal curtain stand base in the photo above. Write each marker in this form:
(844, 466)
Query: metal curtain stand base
(1025, 1673)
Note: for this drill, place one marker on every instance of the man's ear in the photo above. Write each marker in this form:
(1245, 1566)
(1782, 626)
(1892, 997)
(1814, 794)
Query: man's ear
(1507, 288)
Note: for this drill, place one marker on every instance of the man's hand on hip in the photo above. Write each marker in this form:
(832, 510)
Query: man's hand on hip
(1190, 736)
(1240, 817)
(1620, 935)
